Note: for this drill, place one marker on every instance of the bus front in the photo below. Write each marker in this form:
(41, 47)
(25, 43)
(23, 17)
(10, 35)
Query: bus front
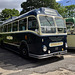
(53, 35)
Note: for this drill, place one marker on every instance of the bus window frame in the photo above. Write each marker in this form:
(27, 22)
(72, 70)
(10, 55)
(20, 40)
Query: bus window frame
(6, 28)
(10, 27)
(54, 23)
(19, 24)
(57, 26)
(2, 28)
(13, 25)
(40, 25)
(26, 25)
(36, 17)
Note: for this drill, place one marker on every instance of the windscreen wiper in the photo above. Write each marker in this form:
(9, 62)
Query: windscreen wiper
(48, 20)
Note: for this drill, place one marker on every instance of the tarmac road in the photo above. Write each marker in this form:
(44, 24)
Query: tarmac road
(12, 64)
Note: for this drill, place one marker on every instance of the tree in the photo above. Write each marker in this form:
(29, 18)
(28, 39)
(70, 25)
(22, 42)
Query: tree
(0, 17)
(32, 4)
(62, 10)
(7, 13)
(67, 11)
(70, 11)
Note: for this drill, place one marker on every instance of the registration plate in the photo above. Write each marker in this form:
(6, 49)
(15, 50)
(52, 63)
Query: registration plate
(55, 44)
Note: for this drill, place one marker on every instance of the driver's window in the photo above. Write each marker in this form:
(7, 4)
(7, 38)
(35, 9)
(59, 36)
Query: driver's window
(32, 24)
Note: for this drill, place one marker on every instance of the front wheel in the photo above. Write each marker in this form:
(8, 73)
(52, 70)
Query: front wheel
(60, 56)
(1, 44)
(24, 52)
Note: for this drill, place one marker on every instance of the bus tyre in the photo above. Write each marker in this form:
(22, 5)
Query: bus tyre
(24, 52)
(2, 44)
(61, 57)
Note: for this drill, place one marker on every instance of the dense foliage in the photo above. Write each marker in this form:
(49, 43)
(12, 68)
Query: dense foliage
(65, 11)
(70, 11)
(32, 4)
(8, 13)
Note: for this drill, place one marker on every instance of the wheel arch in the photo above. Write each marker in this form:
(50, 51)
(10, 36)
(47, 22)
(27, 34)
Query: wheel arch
(24, 43)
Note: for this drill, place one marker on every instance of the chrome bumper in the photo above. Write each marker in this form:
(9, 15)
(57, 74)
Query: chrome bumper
(47, 55)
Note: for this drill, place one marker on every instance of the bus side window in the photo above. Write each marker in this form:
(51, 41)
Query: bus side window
(5, 28)
(15, 26)
(9, 27)
(32, 24)
(22, 24)
(0, 29)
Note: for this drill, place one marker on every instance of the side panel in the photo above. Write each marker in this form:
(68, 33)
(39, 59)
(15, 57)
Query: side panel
(13, 41)
(71, 40)
(34, 41)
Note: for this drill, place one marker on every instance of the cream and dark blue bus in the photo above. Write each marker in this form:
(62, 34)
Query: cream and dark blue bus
(39, 33)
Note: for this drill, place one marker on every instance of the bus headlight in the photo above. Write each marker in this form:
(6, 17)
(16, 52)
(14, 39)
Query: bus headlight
(44, 48)
(66, 45)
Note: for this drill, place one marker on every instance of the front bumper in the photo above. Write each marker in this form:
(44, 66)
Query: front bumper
(47, 55)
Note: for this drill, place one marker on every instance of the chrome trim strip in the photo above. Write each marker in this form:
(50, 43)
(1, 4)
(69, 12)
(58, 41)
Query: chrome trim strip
(47, 55)
(18, 32)
(33, 33)
(53, 34)
(11, 44)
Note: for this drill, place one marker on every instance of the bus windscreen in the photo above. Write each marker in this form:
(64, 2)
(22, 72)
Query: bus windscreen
(47, 24)
(61, 26)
